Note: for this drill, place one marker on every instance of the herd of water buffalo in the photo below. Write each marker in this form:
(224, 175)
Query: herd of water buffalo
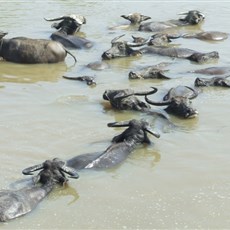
(17, 202)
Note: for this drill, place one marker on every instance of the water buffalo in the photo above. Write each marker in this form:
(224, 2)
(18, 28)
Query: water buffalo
(126, 99)
(217, 70)
(150, 72)
(88, 79)
(15, 203)
(124, 49)
(214, 81)
(207, 36)
(119, 150)
(66, 29)
(32, 51)
(178, 101)
(157, 39)
(192, 17)
(135, 21)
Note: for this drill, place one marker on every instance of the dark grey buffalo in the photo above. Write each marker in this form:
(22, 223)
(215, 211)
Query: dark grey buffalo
(217, 70)
(66, 29)
(88, 79)
(135, 20)
(15, 203)
(31, 51)
(192, 17)
(124, 49)
(207, 36)
(119, 150)
(150, 72)
(178, 101)
(126, 99)
(214, 81)
(157, 39)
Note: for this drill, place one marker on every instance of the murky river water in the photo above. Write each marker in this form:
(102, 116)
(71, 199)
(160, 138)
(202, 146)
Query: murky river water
(180, 181)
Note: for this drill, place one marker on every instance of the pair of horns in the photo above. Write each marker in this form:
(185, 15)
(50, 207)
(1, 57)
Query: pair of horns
(131, 44)
(135, 123)
(122, 95)
(54, 164)
(169, 101)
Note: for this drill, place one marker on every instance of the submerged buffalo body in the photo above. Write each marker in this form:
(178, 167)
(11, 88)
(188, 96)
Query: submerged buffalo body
(67, 27)
(119, 150)
(218, 70)
(15, 203)
(208, 36)
(31, 51)
(192, 17)
(124, 49)
(178, 102)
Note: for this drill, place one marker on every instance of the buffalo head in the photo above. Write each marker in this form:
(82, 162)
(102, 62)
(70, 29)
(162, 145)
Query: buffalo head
(193, 17)
(121, 49)
(214, 81)
(136, 131)
(69, 24)
(178, 102)
(51, 172)
(135, 18)
(126, 100)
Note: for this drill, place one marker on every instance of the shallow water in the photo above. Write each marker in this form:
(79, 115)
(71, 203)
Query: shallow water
(180, 181)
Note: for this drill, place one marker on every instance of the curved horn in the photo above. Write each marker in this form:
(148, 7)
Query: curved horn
(146, 93)
(55, 19)
(137, 94)
(155, 134)
(28, 171)
(119, 124)
(195, 93)
(116, 38)
(70, 171)
(137, 44)
(157, 103)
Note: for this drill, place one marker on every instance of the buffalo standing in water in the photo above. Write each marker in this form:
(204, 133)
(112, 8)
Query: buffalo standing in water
(15, 203)
(192, 17)
(31, 51)
(66, 29)
(124, 49)
(178, 101)
(119, 150)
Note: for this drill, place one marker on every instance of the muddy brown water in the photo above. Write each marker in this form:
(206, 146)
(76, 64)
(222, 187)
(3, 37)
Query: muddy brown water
(180, 181)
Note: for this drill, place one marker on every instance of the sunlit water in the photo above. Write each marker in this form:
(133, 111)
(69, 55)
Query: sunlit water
(180, 181)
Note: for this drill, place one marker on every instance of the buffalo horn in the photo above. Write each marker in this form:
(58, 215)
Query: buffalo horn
(116, 38)
(78, 18)
(168, 102)
(157, 135)
(119, 124)
(28, 171)
(137, 94)
(70, 171)
(195, 93)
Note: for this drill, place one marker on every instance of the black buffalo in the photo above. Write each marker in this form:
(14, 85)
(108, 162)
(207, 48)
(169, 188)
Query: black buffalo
(192, 17)
(119, 150)
(214, 81)
(67, 28)
(178, 101)
(126, 99)
(15, 203)
(125, 49)
(31, 51)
